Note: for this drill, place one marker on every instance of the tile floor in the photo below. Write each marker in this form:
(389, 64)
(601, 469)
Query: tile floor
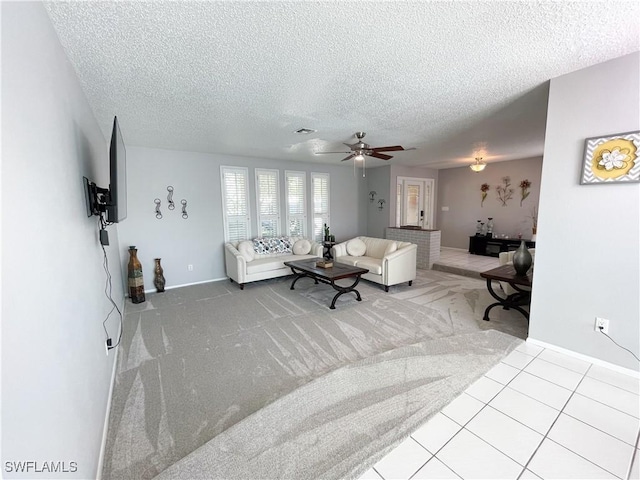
(537, 414)
(461, 262)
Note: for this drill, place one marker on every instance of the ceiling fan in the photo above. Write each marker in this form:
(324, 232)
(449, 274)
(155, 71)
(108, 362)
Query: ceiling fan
(360, 149)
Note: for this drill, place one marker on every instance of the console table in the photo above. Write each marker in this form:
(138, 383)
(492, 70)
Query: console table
(491, 247)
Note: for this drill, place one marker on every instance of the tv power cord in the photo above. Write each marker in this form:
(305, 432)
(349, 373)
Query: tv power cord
(602, 332)
(107, 292)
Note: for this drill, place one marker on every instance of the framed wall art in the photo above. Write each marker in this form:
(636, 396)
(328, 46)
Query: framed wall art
(611, 159)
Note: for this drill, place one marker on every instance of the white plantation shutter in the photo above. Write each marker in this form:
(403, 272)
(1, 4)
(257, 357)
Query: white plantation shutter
(235, 203)
(296, 191)
(268, 202)
(320, 187)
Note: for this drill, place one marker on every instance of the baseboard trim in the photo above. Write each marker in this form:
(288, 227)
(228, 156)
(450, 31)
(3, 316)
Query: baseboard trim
(153, 290)
(188, 284)
(105, 430)
(586, 358)
(465, 250)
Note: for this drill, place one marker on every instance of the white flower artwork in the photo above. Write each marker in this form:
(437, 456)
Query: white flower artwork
(613, 159)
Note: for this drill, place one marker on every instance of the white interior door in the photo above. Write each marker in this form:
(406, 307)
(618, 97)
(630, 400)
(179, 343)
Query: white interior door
(414, 202)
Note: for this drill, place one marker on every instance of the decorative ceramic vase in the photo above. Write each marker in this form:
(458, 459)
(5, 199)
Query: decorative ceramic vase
(136, 282)
(490, 227)
(478, 228)
(522, 259)
(158, 279)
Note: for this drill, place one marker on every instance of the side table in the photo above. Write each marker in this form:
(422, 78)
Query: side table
(522, 297)
(327, 249)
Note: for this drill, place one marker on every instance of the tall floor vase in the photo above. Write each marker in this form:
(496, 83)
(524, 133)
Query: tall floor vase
(136, 281)
(158, 279)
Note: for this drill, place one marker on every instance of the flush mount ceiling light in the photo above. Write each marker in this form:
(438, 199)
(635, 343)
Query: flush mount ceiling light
(478, 166)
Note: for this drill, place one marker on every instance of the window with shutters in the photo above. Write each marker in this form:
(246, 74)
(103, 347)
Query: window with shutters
(235, 203)
(268, 202)
(320, 187)
(296, 192)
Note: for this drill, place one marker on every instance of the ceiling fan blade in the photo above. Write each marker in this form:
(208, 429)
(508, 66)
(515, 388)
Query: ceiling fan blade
(348, 158)
(322, 153)
(380, 155)
(395, 148)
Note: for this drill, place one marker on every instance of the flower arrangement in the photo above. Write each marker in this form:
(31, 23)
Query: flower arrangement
(484, 188)
(534, 219)
(505, 192)
(525, 185)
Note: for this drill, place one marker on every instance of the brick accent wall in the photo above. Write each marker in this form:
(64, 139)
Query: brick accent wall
(428, 242)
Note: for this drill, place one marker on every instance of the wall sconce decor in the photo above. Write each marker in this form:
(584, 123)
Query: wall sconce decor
(372, 195)
(158, 212)
(381, 203)
(478, 166)
(172, 205)
(185, 215)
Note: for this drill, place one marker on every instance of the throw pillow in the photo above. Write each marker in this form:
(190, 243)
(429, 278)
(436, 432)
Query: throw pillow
(260, 245)
(279, 245)
(246, 250)
(393, 246)
(356, 247)
(302, 247)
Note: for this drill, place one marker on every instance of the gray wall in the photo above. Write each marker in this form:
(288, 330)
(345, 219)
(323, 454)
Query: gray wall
(199, 240)
(55, 373)
(378, 220)
(383, 180)
(587, 256)
(459, 190)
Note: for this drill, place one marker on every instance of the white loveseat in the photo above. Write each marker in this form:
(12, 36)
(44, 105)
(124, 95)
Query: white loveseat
(389, 261)
(262, 258)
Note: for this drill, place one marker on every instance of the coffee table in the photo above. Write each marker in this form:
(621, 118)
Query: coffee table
(522, 297)
(307, 268)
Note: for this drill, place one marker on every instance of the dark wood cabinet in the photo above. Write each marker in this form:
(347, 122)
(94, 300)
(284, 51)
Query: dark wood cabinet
(491, 247)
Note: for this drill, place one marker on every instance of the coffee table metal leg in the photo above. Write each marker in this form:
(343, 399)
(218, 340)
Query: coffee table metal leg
(343, 290)
(298, 277)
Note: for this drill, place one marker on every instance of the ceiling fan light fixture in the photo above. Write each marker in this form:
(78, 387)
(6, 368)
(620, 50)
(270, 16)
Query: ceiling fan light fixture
(478, 166)
(359, 157)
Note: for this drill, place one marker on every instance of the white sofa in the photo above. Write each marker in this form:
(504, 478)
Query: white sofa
(506, 258)
(389, 261)
(262, 258)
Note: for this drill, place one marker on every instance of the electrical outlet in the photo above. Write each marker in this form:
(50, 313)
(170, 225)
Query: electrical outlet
(602, 325)
(190, 268)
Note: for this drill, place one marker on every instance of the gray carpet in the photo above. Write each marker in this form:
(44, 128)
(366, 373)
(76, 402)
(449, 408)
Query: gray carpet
(197, 360)
(339, 425)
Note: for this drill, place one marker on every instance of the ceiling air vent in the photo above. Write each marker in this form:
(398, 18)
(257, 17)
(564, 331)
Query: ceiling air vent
(305, 131)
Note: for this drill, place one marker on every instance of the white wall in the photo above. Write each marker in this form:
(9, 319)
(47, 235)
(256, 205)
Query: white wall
(199, 240)
(587, 255)
(55, 374)
(459, 189)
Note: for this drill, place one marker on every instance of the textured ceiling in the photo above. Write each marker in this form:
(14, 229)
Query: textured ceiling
(235, 77)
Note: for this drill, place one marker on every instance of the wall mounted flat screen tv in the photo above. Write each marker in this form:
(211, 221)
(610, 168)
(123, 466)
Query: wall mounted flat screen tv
(112, 200)
(117, 209)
